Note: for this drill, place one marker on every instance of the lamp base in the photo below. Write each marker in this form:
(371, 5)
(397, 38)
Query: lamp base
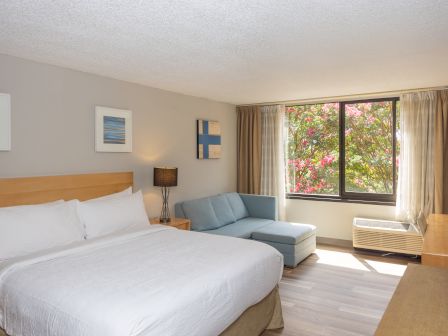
(165, 215)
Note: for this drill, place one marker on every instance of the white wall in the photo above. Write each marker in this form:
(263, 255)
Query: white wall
(53, 130)
(334, 219)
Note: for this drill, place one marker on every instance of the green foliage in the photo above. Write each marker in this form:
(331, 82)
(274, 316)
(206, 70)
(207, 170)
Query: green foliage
(368, 148)
(313, 165)
(313, 148)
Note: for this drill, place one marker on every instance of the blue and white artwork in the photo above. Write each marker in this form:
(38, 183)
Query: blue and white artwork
(208, 139)
(114, 130)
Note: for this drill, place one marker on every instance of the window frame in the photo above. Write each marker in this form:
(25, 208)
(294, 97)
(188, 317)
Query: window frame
(356, 197)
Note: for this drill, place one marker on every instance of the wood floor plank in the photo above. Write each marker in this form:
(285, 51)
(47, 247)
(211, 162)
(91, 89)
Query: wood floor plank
(338, 292)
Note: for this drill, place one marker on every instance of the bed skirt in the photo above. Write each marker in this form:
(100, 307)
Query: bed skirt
(266, 314)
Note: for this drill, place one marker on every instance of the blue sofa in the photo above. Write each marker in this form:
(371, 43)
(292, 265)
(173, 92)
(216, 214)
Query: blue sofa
(250, 217)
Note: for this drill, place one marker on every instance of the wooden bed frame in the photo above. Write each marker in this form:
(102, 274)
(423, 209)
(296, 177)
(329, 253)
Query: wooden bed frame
(41, 189)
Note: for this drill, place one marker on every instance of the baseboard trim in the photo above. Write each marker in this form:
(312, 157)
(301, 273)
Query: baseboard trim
(334, 242)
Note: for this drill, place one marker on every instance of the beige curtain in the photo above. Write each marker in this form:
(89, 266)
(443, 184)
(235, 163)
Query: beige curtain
(272, 154)
(441, 154)
(415, 192)
(249, 149)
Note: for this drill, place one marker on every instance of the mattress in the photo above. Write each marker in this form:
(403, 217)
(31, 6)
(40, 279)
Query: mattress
(156, 281)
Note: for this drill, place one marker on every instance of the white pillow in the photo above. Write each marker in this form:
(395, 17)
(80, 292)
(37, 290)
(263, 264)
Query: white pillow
(110, 215)
(125, 192)
(27, 229)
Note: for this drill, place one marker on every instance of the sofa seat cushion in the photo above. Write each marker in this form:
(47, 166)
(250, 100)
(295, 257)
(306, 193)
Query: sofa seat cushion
(201, 213)
(242, 228)
(294, 254)
(222, 209)
(284, 232)
(236, 203)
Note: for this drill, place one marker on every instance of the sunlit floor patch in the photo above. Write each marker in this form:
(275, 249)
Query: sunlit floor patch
(348, 260)
(386, 268)
(340, 259)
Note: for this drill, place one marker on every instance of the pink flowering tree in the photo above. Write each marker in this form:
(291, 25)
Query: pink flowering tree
(368, 147)
(313, 148)
(313, 154)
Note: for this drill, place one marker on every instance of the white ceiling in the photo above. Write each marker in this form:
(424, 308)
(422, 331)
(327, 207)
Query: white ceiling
(240, 51)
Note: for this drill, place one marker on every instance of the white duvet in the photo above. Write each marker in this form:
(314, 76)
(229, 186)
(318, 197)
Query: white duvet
(157, 281)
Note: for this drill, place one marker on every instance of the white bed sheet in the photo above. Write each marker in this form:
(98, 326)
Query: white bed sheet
(157, 281)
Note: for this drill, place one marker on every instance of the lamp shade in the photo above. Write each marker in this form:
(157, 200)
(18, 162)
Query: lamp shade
(165, 177)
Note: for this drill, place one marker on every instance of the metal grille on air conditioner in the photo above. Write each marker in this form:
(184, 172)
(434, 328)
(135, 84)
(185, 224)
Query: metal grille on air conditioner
(388, 236)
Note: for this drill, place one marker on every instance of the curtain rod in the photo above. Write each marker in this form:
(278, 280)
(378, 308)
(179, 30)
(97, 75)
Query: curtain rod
(384, 94)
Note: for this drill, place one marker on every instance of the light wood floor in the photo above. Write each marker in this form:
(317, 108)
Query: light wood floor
(338, 292)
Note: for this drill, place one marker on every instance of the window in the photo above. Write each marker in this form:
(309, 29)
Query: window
(343, 151)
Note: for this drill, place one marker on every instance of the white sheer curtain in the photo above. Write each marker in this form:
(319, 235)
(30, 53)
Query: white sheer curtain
(272, 154)
(415, 193)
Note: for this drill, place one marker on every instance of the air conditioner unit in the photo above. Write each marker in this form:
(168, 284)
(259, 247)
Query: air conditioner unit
(387, 236)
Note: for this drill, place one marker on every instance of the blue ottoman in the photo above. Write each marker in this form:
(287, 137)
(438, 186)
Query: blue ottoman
(294, 241)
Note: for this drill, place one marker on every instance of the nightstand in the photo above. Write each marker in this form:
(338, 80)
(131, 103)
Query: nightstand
(178, 223)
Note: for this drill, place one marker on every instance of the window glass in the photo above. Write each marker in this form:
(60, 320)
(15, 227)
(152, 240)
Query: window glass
(313, 149)
(369, 168)
(369, 147)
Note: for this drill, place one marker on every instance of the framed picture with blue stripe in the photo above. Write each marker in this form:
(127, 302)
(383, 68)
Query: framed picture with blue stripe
(113, 129)
(209, 139)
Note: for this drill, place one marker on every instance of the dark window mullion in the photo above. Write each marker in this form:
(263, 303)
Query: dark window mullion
(342, 149)
(394, 147)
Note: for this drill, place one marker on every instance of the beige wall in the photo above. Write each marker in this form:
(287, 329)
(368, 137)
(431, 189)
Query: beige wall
(53, 130)
(334, 219)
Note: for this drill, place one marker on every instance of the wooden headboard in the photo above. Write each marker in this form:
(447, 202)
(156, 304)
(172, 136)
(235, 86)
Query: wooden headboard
(34, 190)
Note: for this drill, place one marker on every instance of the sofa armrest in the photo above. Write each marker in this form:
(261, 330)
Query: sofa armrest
(178, 211)
(260, 206)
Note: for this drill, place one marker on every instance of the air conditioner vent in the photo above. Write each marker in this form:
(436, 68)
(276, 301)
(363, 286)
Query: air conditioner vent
(388, 236)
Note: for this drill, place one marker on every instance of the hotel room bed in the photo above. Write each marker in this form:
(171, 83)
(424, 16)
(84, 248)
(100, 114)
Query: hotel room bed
(146, 280)
(156, 281)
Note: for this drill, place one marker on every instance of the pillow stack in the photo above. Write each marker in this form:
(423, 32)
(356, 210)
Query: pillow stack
(27, 229)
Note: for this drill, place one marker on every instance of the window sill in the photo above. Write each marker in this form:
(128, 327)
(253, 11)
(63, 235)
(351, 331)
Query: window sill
(338, 199)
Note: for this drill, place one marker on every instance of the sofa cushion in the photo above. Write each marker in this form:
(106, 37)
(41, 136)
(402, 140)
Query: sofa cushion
(222, 209)
(293, 254)
(237, 205)
(201, 214)
(284, 232)
(242, 228)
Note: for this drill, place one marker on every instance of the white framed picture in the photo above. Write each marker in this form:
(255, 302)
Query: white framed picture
(113, 130)
(5, 122)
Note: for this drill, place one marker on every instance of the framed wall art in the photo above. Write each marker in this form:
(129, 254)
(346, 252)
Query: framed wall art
(5, 122)
(208, 139)
(113, 130)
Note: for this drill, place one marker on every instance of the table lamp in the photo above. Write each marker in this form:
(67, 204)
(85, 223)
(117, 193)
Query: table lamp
(165, 177)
